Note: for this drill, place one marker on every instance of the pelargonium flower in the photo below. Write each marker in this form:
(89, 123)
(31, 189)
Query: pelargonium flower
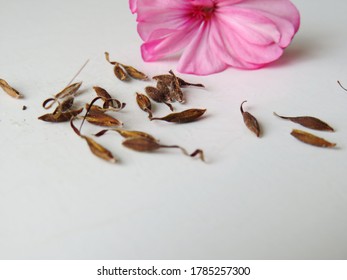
(212, 35)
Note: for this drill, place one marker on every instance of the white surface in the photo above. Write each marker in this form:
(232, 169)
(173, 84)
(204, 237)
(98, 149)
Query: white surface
(267, 198)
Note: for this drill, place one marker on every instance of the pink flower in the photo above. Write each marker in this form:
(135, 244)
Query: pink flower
(212, 35)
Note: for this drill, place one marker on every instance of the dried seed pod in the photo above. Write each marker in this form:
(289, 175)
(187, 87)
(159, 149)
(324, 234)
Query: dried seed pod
(167, 79)
(120, 73)
(63, 107)
(311, 139)
(176, 92)
(107, 56)
(250, 121)
(108, 100)
(69, 91)
(144, 104)
(157, 96)
(164, 91)
(9, 90)
(189, 115)
(102, 119)
(134, 73)
(127, 133)
(309, 122)
(61, 116)
(141, 144)
(95, 147)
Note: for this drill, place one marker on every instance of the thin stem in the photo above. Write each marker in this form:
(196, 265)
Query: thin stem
(79, 71)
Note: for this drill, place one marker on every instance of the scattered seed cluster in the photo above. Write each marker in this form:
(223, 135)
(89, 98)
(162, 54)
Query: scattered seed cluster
(168, 90)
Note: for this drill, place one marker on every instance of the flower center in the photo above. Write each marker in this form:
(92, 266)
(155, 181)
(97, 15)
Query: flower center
(203, 12)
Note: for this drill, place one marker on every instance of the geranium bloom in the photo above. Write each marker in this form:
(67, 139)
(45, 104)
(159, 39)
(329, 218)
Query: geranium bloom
(212, 35)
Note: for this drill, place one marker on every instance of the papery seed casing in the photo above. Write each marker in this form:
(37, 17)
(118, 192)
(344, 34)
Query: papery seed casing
(141, 144)
(60, 117)
(311, 139)
(309, 122)
(186, 116)
(250, 121)
(9, 90)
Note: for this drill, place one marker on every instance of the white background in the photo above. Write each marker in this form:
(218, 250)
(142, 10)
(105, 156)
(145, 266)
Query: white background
(267, 198)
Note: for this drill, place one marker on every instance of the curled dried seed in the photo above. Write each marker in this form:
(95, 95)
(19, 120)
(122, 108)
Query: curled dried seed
(127, 133)
(189, 115)
(100, 92)
(70, 90)
(134, 73)
(108, 100)
(176, 92)
(142, 144)
(95, 147)
(107, 56)
(9, 90)
(63, 107)
(61, 117)
(144, 104)
(157, 96)
(311, 139)
(250, 121)
(120, 73)
(167, 79)
(309, 122)
(98, 109)
(102, 119)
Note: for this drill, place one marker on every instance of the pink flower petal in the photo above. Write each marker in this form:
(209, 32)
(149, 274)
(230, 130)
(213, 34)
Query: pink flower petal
(214, 34)
(200, 56)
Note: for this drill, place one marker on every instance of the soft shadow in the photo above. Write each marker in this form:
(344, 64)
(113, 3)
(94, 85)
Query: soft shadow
(304, 48)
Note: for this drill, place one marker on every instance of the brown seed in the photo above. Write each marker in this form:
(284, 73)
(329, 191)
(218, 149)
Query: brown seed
(311, 139)
(250, 121)
(134, 73)
(61, 116)
(189, 115)
(69, 91)
(97, 149)
(102, 119)
(157, 96)
(141, 144)
(167, 79)
(108, 100)
(102, 93)
(144, 104)
(309, 122)
(164, 91)
(176, 92)
(127, 133)
(120, 73)
(9, 90)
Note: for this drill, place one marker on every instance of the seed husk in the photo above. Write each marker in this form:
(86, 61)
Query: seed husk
(102, 119)
(250, 121)
(164, 91)
(141, 144)
(108, 100)
(9, 90)
(127, 133)
(61, 116)
(157, 96)
(120, 73)
(311, 139)
(97, 149)
(167, 79)
(69, 91)
(186, 116)
(176, 92)
(134, 73)
(309, 122)
(144, 104)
